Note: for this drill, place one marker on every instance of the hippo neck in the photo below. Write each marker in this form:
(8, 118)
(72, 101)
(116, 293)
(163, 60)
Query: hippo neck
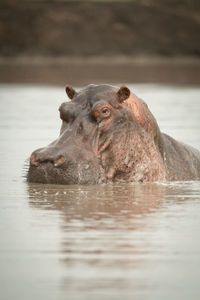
(134, 158)
(145, 162)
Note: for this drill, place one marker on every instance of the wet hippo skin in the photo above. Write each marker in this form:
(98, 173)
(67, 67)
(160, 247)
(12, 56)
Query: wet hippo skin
(109, 134)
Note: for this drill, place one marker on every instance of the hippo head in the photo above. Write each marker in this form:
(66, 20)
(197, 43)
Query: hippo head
(107, 134)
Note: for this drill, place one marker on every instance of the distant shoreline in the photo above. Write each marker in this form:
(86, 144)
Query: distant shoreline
(82, 28)
(85, 70)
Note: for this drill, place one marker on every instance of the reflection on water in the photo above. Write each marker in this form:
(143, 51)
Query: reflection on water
(137, 241)
(114, 238)
(95, 202)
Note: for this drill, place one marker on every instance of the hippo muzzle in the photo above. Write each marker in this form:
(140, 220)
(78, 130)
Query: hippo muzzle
(68, 160)
(65, 171)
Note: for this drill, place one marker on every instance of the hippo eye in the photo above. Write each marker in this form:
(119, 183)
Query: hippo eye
(101, 111)
(105, 112)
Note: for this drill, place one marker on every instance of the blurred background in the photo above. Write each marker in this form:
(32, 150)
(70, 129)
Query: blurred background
(59, 41)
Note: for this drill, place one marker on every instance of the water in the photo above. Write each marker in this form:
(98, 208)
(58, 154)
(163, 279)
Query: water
(131, 241)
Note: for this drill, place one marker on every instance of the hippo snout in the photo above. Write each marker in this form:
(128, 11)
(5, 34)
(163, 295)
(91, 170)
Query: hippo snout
(43, 156)
(64, 165)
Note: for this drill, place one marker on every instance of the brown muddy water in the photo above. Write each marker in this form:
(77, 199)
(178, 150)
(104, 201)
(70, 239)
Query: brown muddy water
(116, 241)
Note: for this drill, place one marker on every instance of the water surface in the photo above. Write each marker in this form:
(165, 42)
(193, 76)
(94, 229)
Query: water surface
(115, 241)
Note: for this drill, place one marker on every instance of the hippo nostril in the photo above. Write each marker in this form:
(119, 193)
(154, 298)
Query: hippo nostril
(58, 162)
(33, 160)
(39, 157)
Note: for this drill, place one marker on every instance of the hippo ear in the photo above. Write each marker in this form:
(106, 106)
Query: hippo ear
(70, 91)
(123, 94)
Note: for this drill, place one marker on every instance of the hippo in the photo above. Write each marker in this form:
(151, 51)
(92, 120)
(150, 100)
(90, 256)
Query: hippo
(108, 134)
